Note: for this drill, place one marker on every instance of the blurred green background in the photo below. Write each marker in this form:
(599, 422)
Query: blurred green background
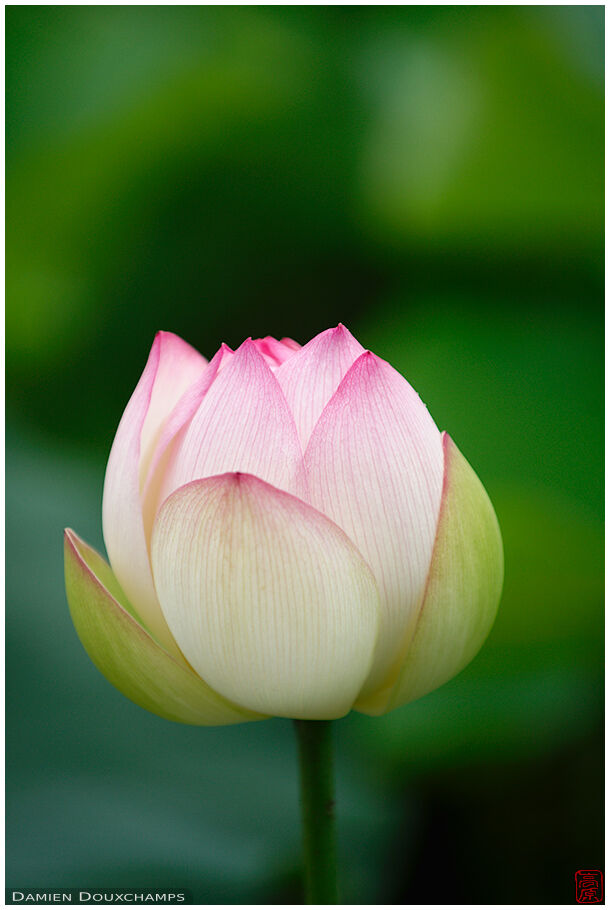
(432, 177)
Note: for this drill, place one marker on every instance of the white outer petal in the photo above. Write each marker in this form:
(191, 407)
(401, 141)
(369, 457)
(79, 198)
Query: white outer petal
(269, 600)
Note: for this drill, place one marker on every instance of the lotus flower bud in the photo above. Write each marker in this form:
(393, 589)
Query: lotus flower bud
(288, 534)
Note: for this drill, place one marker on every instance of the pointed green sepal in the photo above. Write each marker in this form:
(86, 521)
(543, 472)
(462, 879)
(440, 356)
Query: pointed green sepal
(462, 591)
(127, 655)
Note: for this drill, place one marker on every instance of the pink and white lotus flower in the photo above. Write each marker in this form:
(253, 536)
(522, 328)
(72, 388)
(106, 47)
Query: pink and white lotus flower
(288, 534)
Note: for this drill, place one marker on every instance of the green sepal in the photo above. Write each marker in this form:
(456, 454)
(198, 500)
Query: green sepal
(127, 655)
(462, 591)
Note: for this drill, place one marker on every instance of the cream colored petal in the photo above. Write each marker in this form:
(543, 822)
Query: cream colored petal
(267, 598)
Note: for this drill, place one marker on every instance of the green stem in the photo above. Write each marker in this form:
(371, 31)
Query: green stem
(318, 810)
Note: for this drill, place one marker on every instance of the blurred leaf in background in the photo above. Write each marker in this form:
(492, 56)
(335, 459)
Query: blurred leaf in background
(431, 176)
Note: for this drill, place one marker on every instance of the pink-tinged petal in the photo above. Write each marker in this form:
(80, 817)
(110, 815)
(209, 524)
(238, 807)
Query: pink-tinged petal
(172, 366)
(270, 601)
(291, 343)
(126, 654)
(179, 365)
(462, 591)
(275, 352)
(311, 376)
(223, 356)
(243, 424)
(374, 464)
(170, 438)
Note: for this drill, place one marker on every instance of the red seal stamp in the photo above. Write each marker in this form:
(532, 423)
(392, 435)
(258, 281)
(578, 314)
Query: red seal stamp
(589, 886)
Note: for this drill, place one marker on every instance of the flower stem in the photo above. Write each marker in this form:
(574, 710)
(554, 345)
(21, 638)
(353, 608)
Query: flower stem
(318, 810)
